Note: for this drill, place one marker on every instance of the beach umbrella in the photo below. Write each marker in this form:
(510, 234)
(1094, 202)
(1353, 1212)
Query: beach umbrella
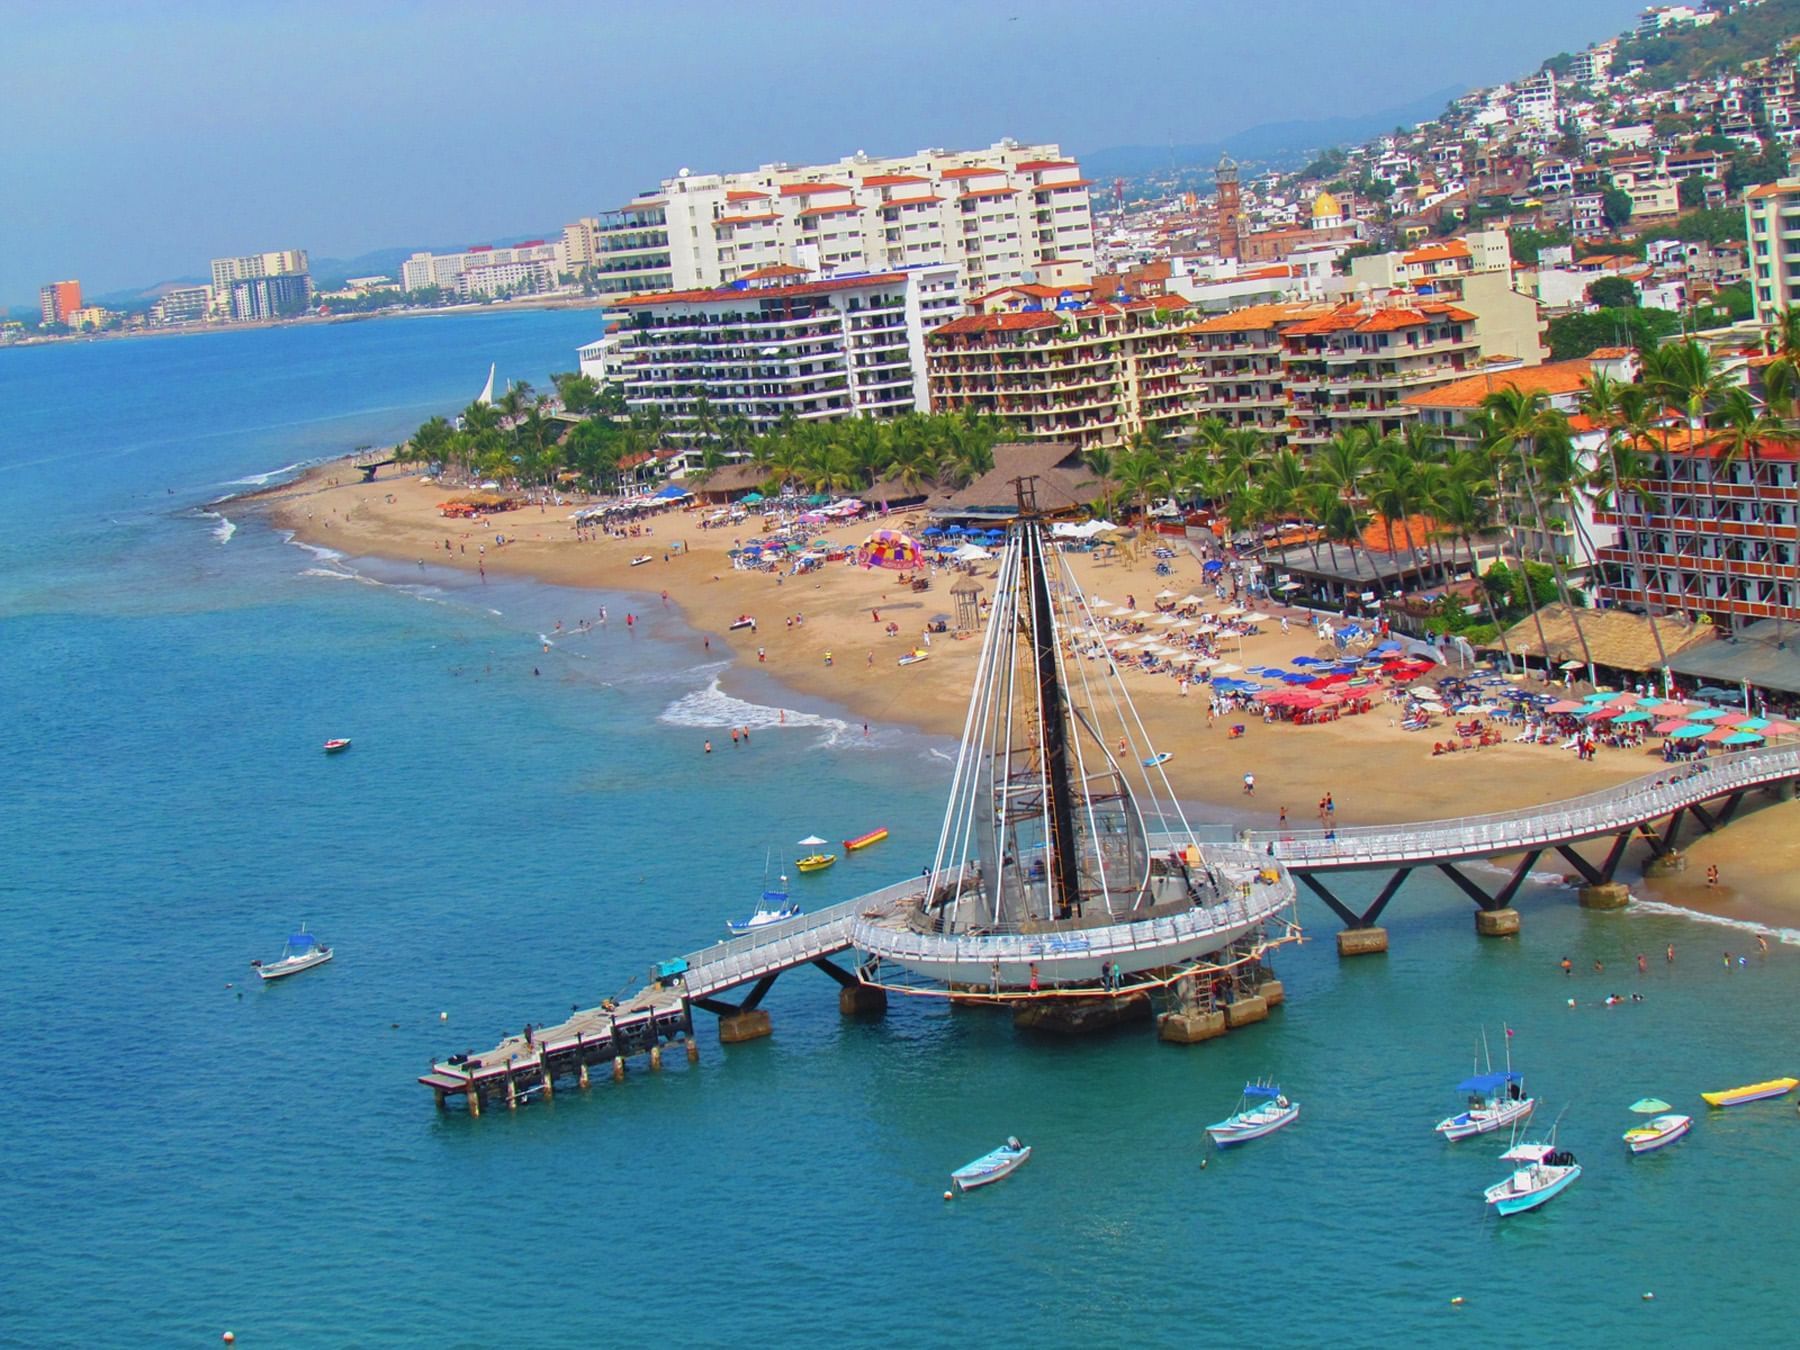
(1166, 619)
(1226, 669)
(1165, 595)
(930, 532)
(1649, 1106)
(1183, 623)
(811, 841)
(1212, 565)
(1566, 706)
(1187, 600)
(1638, 716)
(1718, 735)
(1689, 731)
(751, 499)
(892, 550)
(1706, 714)
(1673, 725)
(1570, 665)
(1600, 715)
(956, 529)
(1779, 728)
(1741, 738)
(1256, 616)
(1731, 719)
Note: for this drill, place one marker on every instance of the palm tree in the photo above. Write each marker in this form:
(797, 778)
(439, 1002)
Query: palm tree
(1520, 425)
(1614, 406)
(1464, 505)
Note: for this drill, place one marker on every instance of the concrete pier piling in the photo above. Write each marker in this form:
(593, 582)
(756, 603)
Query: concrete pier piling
(693, 1050)
(1667, 865)
(1605, 895)
(1243, 1011)
(749, 1025)
(1497, 922)
(1272, 993)
(862, 1000)
(1362, 941)
(618, 1068)
(1190, 1028)
(656, 1057)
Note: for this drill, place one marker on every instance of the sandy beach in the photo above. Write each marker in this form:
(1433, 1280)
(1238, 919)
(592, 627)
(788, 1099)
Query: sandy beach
(1376, 772)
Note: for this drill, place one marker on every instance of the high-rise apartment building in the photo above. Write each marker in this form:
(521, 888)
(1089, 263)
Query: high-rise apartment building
(533, 265)
(1236, 369)
(762, 349)
(182, 304)
(281, 263)
(1771, 216)
(270, 297)
(998, 216)
(58, 300)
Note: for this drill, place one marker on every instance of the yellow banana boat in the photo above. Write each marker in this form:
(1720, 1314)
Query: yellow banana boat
(1753, 1092)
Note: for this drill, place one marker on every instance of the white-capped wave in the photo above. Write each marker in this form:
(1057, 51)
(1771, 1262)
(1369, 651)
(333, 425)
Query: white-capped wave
(224, 529)
(319, 551)
(713, 709)
(263, 479)
(947, 758)
(1789, 937)
(329, 573)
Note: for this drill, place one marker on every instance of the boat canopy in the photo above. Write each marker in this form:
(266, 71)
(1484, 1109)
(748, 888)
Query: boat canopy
(775, 897)
(1528, 1153)
(1490, 1082)
(302, 940)
(1260, 1090)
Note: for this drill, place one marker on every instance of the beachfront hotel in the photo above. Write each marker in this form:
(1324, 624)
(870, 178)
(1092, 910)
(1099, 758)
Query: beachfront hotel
(1088, 376)
(1708, 533)
(487, 269)
(58, 300)
(1002, 215)
(1772, 225)
(772, 345)
(1236, 371)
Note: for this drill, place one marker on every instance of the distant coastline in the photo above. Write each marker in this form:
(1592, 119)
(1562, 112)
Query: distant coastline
(314, 321)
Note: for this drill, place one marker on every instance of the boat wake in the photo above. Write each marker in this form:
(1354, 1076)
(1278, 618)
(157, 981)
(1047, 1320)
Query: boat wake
(1788, 937)
(712, 709)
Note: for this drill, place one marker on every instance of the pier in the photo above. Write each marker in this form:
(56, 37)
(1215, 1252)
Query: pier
(659, 1017)
(1655, 808)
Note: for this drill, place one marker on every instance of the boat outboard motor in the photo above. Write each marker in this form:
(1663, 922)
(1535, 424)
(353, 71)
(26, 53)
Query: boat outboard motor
(1012, 1142)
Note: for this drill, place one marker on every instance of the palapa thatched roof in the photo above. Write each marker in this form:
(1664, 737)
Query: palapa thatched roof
(1615, 638)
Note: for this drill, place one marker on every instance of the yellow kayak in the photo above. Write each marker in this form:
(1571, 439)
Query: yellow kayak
(816, 862)
(1754, 1092)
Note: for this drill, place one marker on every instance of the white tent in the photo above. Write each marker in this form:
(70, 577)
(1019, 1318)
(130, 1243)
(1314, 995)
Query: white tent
(971, 553)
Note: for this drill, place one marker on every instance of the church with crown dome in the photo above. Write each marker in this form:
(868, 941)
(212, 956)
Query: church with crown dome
(1327, 212)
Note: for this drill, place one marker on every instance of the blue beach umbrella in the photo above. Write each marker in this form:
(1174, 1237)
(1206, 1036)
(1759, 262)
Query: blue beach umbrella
(930, 531)
(1741, 738)
(1689, 732)
(1705, 714)
(1632, 717)
(1753, 724)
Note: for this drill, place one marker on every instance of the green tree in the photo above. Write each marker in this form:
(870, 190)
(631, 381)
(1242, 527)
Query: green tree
(1613, 293)
(1615, 207)
(1691, 192)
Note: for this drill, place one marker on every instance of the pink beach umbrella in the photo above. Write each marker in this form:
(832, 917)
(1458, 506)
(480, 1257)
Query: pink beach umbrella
(1717, 735)
(1776, 728)
(1673, 724)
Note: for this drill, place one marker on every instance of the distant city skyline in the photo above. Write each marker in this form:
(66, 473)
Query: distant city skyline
(133, 151)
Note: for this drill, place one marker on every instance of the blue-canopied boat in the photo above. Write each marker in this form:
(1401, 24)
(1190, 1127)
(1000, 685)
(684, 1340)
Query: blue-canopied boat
(1262, 1109)
(773, 908)
(992, 1166)
(302, 952)
(1496, 1100)
(1544, 1172)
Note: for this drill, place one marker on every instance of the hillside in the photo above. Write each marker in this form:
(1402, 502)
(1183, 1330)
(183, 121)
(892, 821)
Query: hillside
(1724, 45)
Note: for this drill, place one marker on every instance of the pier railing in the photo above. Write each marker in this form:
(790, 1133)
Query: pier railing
(1606, 811)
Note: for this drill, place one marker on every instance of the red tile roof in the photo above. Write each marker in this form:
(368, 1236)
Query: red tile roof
(909, 201)
(1554, 377)
(996, 323)
(1454, 248)
(808, 189)
(989, 192)
(1255, 318)
(775, 270)
(763, 293)
(1352, 317)
(830, 210)
(972, 173)
(744, 195)
(1058, 187)
(892, 179)
(748, 220)
(1033, 165)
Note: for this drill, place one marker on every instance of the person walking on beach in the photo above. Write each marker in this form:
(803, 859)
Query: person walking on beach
(1249, 785)
(1283, 820)
(1712, 877)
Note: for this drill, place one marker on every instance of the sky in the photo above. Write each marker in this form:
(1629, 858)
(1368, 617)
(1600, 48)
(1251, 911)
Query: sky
(141, 138)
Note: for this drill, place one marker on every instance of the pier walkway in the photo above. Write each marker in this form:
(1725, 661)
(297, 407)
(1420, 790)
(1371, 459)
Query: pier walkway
(1654, 808)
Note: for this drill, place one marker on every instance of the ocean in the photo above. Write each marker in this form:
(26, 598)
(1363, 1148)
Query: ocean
(527, 821)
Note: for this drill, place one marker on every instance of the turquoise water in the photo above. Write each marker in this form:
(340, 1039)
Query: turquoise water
(186, 1154)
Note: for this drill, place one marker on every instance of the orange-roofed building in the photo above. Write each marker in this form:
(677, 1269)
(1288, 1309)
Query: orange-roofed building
(1236, 369)
(1090, 376)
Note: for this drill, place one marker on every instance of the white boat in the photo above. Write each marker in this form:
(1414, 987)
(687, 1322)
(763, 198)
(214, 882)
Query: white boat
(1263, 1109)
(774, 908)
(1543, 1172)
(1497, 1100)
(991, 1167)
(1663, 1128)
(302, 952)
(640, 560)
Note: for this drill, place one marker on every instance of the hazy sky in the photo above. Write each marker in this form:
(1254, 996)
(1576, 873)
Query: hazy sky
(138, 140)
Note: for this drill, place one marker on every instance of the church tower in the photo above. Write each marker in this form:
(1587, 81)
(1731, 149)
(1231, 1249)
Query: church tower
(1226, 223)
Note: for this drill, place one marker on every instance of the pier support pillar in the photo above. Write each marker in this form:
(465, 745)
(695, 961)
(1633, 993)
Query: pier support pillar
(749, 1025)
(1190, 1028)
(583, 1079)
(618, 1068)
(862, 1000)
(1667, 865)
(656, 1057)
(438, 1093)
(474, 1099)
(549, 1080)
(1497, 922)
(1246, 1010)
(1361, 941)
(1606, 895)
(1784, 790)
(1271, 993)
(512, 1093)
(693, 1050)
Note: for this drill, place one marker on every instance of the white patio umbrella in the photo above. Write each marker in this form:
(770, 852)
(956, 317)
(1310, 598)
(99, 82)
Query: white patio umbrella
(1165, 595)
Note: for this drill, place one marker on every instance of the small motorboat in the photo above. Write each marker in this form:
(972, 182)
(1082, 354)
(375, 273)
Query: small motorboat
(1544, 1171)
(814, 861)
(1160, 757)
(774, 908)
(1754, 1092)
(1497, 1100)
(1263, 1109)
(640, 560)
(1663, 1129)
(912, 658)
(992, 1167)
(337, 747)
(742, 621)
(864, 840)
(302, 952)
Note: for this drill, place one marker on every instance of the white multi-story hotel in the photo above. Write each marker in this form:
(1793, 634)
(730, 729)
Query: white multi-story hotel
(1000, 216)
(290, 262)
(767, 346)
(445, 270)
